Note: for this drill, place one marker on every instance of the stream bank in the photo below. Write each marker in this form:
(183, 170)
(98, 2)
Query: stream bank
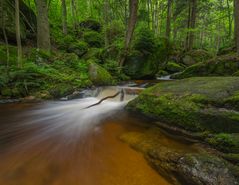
(207, 108)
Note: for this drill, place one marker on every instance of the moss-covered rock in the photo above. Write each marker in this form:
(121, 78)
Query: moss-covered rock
(79, 48)
(228, 143)
(173, 67)
(219, 66)
(191, 104)
(91, 24)
(140, 66)
(195, 56)
(179, 166)
(98, 75)
(93, 38)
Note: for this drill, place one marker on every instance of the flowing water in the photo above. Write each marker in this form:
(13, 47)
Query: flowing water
(62, 143)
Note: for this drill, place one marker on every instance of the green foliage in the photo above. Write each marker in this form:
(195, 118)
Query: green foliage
(93, 38)
(144, 40)
(79, 48)
(114, 31)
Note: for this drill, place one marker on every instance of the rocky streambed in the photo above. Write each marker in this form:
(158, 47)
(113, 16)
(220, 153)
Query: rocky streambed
(204, 110)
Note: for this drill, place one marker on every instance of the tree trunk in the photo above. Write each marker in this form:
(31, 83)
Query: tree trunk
(3, 25)
(106, 20)
(168, 23)
(18, 34)
(43, 30)
(192, 24)
(133, 5)
(236, 9)
(64, 17)
(188, 26)
(229, 20)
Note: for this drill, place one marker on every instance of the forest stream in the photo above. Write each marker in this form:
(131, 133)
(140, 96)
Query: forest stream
(60, 142)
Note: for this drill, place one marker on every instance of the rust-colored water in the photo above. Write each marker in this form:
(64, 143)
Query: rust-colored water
(43, 145)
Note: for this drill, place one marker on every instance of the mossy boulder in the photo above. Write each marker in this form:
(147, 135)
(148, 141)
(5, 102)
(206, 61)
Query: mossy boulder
(181, 166)
(220, 66)
(173, 67)
(195, 56)
(91, 24)
(192, 104)
(79, 48)
(93, 38)
(140, 66)
(98, 75)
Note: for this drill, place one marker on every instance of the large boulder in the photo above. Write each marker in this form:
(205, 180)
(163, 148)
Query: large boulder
(27, 20)
(192, 104)
(225, 65)
(91, 24)
(140, 66)
(98, 75)
(195, 56)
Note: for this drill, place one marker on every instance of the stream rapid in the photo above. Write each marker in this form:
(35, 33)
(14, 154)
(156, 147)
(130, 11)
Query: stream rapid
(62, 143)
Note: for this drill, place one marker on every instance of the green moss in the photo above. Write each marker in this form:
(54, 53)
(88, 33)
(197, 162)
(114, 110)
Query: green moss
(98, 75)
(79, 48)
(61, 90)
(43, 72)
(232, 101)
(140, 66)
(162, 73)
(93, 38)
(196, 56)
(173, 67)
(225, 142)
(6, 92)
(187, 103)
(220, 66)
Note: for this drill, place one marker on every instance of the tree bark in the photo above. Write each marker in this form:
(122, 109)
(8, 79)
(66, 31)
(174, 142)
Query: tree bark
(236, 13)
(3, 25)
(18, 34)
(43, 30)
(106, 20)
(168, 23)
(188, 26)
(64, 17)
(192, 24)
(229, 20)
(133, 5)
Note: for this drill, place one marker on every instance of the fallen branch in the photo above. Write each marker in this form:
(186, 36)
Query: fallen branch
(108, 97)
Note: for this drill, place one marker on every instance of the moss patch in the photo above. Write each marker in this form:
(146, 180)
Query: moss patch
(190, 104)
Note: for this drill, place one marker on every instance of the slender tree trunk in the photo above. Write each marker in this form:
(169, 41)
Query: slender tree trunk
(133, 6)
(18, 34)
(3, 25)
(73, 11)
(43, 30)
(168, 23)
(188, 27)
(236, 12)
(192, 24)
(106, 20)
(64, 16)
(229, 20)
